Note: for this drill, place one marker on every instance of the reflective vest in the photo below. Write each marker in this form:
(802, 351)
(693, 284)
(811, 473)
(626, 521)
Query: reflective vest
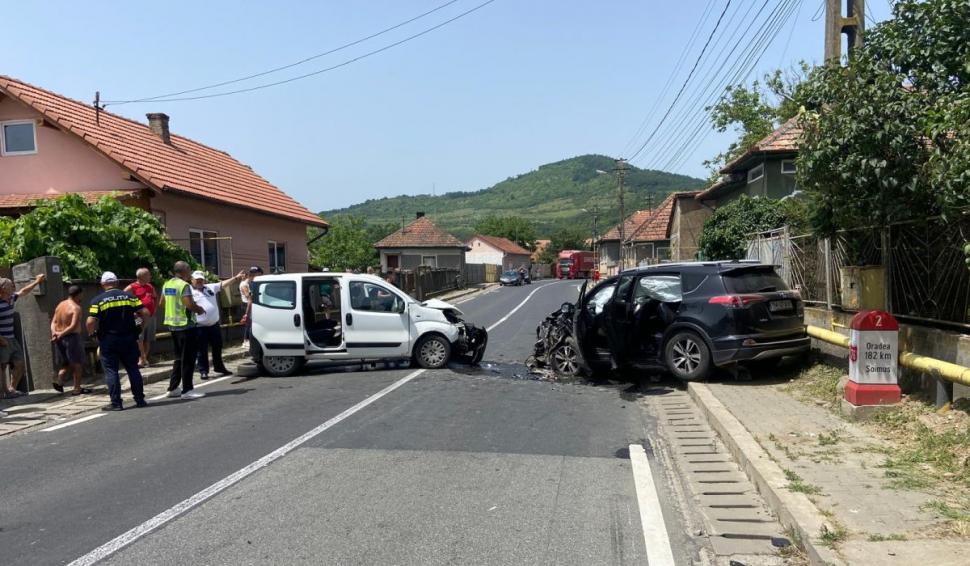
(176, 315)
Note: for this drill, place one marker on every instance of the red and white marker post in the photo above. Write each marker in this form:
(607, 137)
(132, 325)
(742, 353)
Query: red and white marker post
(873, 359)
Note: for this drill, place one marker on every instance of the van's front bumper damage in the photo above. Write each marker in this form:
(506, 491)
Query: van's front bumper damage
(471, 342)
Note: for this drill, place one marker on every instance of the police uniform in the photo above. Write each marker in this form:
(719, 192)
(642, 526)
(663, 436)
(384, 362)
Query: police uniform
(118, 340)
(181, 323)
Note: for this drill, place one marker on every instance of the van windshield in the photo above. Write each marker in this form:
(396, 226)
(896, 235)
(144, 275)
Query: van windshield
(754, 280)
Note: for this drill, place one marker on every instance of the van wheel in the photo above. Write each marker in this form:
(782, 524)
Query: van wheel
(687, 356)
(432, 352)
(281, 366)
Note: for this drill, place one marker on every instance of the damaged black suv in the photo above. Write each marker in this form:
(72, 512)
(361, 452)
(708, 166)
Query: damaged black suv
(684, 318)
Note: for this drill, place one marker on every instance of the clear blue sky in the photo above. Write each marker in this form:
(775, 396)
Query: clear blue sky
(515, 85)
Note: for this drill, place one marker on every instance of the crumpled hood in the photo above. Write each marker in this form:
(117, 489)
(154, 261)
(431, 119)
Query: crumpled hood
(441, 306)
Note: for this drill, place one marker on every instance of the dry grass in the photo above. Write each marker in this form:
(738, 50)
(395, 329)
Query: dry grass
(924, 449)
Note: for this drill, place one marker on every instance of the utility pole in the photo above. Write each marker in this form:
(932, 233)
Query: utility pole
(620, 170)
(851, 23)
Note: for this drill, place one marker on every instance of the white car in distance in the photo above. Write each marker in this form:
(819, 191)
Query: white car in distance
(350, 317)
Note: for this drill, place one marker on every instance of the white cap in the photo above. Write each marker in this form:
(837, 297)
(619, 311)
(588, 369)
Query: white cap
(198, 275)
(108, 277)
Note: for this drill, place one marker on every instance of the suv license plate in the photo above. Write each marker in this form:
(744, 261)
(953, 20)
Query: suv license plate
(776, 306)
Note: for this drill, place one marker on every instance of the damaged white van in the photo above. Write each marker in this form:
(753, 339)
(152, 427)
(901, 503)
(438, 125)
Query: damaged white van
(349, 317)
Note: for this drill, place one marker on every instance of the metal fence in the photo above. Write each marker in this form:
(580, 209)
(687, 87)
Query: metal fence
(922, 270)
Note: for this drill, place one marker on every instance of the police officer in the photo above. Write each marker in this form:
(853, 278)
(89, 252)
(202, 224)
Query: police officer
(111, 317)
(180, 311)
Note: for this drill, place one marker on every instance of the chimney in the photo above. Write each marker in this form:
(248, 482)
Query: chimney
(158, 122)
(418, 215)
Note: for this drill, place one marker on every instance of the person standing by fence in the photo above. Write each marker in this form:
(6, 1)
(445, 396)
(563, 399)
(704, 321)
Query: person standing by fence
(143, 289)
(206, 295)
(11, 351)
(111, 318)
(180, 312)
(68, 342)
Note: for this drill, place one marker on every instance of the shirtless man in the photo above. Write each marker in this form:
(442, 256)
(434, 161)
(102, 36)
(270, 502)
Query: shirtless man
(67, 339)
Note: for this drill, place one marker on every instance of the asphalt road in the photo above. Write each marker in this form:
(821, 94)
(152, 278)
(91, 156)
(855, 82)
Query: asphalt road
(456, 466)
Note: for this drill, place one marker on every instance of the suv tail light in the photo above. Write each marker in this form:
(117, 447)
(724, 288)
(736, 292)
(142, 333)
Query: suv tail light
(736, 301)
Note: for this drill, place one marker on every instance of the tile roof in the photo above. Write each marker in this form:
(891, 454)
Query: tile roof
(503, 244)
(10, 201)
(421, 233)
(783, 140)
(658, 226)
(726, 181)
(632, 223)
(184, 166)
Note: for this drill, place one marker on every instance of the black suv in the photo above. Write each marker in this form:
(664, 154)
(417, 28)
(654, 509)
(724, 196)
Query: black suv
(688, 317)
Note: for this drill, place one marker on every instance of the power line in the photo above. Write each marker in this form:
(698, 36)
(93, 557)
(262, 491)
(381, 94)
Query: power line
(670, 80)
(770, 27)
(694, 116)
(686, 81)
(719, 65)
(767, 35)
(175, 98)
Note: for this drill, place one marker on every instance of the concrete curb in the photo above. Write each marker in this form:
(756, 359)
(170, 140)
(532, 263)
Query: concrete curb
(162, 370)
(794, 510)
(465, 293)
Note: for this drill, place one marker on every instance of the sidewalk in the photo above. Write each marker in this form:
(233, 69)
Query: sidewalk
(48, 407)
(825, 478)
(466, 292)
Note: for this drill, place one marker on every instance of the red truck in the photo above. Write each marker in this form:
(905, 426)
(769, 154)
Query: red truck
(574, 264)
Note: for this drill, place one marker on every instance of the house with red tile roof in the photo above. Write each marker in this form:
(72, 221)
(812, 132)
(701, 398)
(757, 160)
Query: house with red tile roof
(219, 209)
(608, 246)
(421, 243)
(649, 243)
(497, 251)
(766, 169)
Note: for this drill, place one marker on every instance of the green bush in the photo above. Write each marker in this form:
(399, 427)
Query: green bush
(725, 233)
(90, 238)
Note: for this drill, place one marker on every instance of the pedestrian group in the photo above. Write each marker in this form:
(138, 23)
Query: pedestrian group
(123, 321)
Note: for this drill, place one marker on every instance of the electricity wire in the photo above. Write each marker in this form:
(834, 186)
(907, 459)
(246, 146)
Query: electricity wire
(175, 97)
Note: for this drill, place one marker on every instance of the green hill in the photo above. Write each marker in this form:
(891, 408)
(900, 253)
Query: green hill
(551, 196)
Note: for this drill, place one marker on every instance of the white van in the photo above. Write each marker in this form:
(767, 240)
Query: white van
(349, 317)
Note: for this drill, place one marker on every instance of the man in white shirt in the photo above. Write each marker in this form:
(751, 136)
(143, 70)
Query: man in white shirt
(206, 295)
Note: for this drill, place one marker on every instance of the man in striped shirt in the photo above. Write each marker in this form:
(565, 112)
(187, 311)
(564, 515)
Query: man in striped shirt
(11, 352)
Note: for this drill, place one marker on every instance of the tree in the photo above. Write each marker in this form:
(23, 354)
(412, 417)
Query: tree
(754, 111)
(515, 228)
(90, 238)
(886, 138)
(563, 239)
(725, 233)
(348, 245)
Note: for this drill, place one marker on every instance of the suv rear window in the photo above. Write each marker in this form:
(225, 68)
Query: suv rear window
(754, 280)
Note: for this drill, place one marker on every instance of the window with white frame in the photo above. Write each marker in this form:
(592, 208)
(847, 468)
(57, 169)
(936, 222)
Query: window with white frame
(756, 173)
(788, 166)
(429, 260)
(18, 137)
(277, 257)
(204, 247)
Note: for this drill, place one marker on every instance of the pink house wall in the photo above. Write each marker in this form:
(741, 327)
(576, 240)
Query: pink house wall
(62, 162)
(250, 231)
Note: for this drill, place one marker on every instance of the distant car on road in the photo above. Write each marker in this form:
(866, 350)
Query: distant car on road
(350, 317)
(684, 318)
(510, 278)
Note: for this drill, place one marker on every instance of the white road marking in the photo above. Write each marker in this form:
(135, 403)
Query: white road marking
(203, 384)
(157, 521)
(655, 535)
(130, 536)
(72, 423)
(519, 306)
